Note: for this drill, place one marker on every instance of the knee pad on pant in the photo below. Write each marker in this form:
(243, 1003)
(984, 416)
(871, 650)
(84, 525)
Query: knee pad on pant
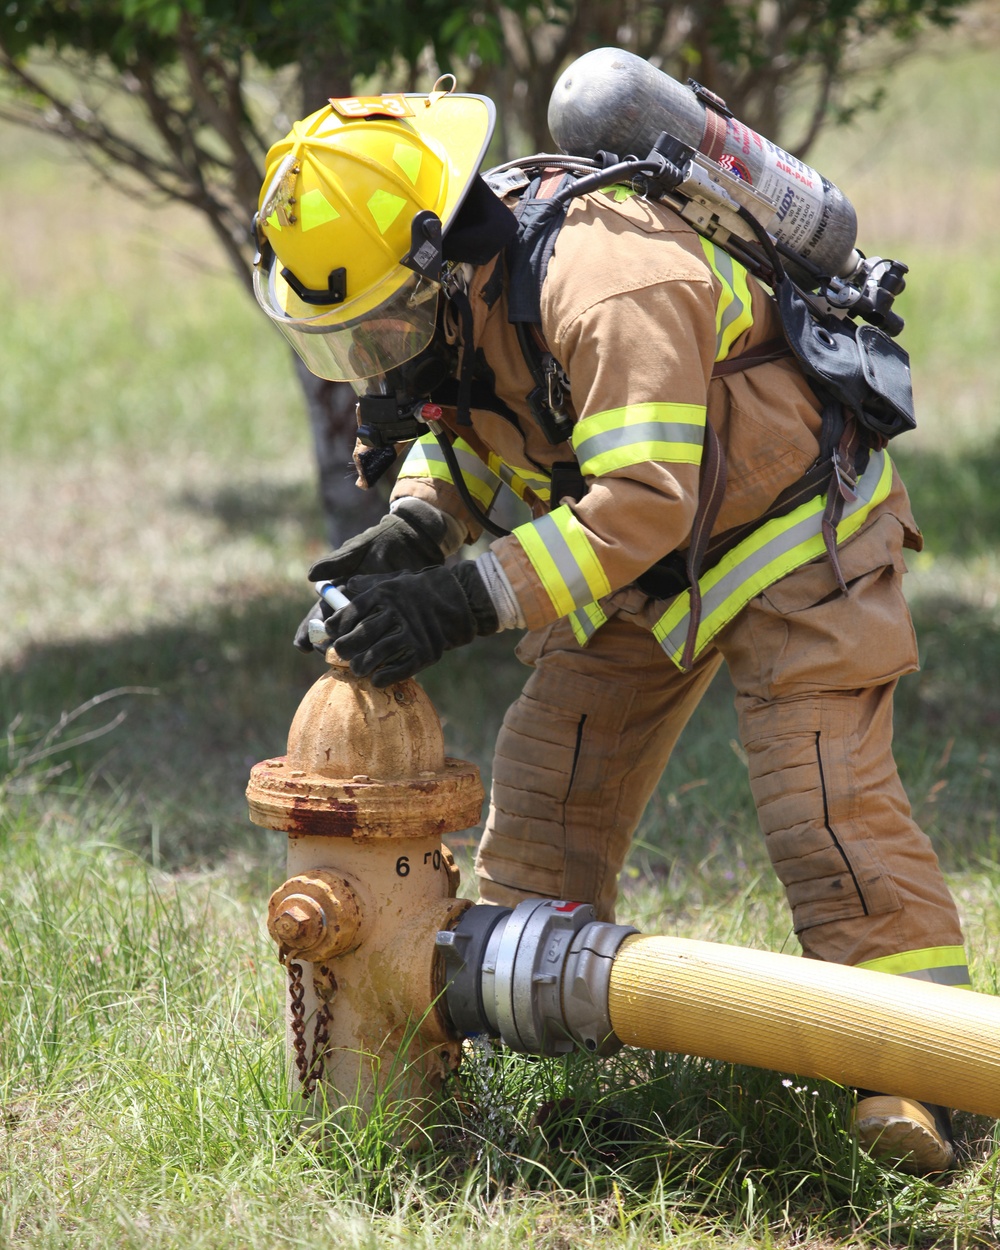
(861, 878)
(821, 806)
(523, 846)
(552, 828)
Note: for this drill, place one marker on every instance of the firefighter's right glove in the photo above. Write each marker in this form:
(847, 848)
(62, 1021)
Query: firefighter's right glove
(398, 624)
(415, 535)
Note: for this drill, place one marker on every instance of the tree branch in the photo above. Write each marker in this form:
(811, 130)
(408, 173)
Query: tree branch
(226, 119)
(821, 104)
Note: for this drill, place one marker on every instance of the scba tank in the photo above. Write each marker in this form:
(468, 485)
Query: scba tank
(614, 101)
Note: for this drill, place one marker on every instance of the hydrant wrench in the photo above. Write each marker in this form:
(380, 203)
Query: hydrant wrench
(317, 627)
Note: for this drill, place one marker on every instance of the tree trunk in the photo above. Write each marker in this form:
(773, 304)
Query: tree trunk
(346, 508)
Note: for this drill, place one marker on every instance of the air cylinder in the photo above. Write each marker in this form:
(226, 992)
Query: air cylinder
(614, 101)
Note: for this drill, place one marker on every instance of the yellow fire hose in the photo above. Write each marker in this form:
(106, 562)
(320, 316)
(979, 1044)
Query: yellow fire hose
(893, 1034)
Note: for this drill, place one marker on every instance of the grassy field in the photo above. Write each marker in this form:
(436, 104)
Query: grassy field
(158, 513)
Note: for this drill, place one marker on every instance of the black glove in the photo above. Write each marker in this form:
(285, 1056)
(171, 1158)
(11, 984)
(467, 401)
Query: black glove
(409, 538)
(398, 624)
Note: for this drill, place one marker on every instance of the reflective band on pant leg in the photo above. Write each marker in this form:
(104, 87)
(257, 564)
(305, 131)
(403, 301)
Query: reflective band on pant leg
(944, 965)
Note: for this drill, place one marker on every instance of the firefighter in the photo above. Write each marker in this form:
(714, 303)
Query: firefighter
(676, 466)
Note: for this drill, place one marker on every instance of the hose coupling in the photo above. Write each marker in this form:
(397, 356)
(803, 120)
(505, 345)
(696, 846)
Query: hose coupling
(536, 976)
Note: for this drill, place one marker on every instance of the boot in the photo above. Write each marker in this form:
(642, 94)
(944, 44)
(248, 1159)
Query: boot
(915, 1137)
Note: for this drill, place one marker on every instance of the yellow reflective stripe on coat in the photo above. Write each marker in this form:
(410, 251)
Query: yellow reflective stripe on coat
(944, 965)
(734, 313)
(426, 459)
(586, 621)
(567, 565)
(637, 433)
(518, 480)
(768, 554)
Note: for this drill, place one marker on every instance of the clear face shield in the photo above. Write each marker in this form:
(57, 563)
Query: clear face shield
(398, 324)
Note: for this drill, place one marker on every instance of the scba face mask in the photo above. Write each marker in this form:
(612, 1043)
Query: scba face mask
(390, 406)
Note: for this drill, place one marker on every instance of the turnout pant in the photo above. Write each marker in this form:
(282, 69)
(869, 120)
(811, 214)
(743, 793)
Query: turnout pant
(583, 747)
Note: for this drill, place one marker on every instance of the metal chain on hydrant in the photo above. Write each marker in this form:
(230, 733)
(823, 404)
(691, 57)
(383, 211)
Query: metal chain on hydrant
(310, 1068)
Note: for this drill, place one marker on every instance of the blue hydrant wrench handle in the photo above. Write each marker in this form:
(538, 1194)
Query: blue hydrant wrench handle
(337, 600)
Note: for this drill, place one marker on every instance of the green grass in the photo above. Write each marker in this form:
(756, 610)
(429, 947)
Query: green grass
(143, 1099)
(158, 513)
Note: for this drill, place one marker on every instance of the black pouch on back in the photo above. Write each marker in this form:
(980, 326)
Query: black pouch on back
(861, 366)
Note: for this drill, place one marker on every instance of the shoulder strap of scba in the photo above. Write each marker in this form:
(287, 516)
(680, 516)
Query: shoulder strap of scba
(540, 217)
(861, 367)
(541, 214)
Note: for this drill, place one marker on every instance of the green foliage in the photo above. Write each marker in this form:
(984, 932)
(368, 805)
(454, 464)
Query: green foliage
(743, 37)
(733, 45)
(276, 32)
(120, 31)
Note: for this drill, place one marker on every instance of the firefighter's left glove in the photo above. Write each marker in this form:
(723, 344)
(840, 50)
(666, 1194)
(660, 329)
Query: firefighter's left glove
(415, 535)
(399, 623)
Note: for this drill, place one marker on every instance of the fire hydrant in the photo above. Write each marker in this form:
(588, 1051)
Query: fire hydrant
(365, 794)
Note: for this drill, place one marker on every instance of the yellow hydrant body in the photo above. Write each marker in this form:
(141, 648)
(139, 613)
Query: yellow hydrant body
(365, 794)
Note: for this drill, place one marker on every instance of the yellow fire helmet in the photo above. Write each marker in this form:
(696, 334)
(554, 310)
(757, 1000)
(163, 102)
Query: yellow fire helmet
(350, 220)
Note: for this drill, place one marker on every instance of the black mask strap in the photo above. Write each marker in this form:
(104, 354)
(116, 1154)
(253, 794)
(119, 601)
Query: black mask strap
(463, 307)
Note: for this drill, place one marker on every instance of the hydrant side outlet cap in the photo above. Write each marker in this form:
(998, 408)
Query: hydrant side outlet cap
(315, 915)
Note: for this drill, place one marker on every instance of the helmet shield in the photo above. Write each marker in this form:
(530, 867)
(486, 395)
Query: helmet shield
(398, 325)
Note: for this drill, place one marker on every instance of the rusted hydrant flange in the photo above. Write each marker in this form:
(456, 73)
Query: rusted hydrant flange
(292, 800)
(315, 915)
(365, 763)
